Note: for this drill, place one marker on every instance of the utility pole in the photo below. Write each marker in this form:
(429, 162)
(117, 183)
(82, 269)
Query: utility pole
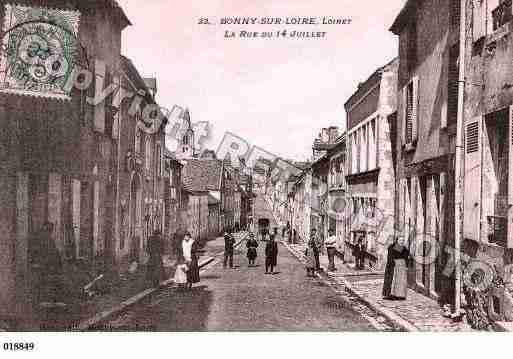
(460, 164)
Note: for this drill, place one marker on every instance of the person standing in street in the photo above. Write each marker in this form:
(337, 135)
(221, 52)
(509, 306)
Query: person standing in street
(395, 283)
(229, 243)
(46, 265)
(331, 248)
(190, 254)
(271, 255)
(310, 259)
(252, 245)
(314, 238)
(360, 252)
(155, 265)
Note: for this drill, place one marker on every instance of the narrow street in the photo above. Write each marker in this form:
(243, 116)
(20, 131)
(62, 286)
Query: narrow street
(245, 299)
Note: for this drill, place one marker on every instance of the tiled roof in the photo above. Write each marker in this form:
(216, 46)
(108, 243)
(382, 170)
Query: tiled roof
(202, 175)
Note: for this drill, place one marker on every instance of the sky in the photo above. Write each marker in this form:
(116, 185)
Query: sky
(275, 93)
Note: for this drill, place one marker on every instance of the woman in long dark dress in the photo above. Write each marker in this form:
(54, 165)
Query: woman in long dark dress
(395, 282)
(190, 254)
(252, 245)
(271, 255)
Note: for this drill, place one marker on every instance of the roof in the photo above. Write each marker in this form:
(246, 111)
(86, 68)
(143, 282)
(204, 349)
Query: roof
(202, 175)
(134, 76)
(128, 67)
(404, 17)
(364, 87)
(115, 4)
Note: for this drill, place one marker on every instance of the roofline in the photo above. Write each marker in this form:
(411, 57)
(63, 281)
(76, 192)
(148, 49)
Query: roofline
(378, 71)
(403, 17)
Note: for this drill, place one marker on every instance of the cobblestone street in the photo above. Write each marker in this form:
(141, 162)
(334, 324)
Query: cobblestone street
(245, 299)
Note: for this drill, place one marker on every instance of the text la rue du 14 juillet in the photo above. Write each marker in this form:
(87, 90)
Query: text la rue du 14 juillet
(277, 33)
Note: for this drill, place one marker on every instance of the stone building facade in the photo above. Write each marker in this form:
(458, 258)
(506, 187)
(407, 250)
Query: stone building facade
(426, 133)
(338, 211)
(58, 158)
(488, 121)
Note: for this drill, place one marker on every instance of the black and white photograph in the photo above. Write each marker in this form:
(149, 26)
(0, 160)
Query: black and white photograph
(255, 167)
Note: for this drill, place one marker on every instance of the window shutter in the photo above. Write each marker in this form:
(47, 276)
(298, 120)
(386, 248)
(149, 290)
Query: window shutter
(405, 114)
(99, 109)
(452, 86)
(116, 107)
(472, 179)
(415, 109)
(510, 181)
(479, 19)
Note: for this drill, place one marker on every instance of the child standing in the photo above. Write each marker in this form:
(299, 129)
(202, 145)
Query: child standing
(181, 274)
(310, 260)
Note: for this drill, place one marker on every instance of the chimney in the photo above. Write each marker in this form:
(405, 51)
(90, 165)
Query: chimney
(333, 134)
(325, 137)
(151, 83)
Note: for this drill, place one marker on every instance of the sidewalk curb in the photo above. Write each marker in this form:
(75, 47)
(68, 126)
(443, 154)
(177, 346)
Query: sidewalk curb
(104, 315)
(391, 316)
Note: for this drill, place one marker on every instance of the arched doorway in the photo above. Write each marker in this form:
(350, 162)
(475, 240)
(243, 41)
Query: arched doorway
(135, 231)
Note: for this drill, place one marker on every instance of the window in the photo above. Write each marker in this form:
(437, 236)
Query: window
(159, 162)
(498, 132)
(148, 154)
(411, 99)
(138, 139)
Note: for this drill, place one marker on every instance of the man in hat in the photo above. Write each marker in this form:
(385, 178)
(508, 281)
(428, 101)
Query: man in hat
(229, 243)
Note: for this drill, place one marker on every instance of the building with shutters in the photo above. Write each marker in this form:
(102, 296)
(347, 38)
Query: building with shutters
(488, 120)
(427, 98)
(370, 177)
(140, 203)
(73, 150)
(338, 211)
(58, 159)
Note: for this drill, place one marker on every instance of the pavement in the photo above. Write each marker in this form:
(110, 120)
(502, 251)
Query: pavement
(213, 250)
(364, 290)
(82, 313)
(246, 299)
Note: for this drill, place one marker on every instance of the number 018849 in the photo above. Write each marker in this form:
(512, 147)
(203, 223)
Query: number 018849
(19, 346)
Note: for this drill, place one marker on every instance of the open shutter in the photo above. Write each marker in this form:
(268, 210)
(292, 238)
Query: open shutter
(510, 181)
(404, 115)
(415, 109)
(478, 19)
(99, 109)
(472, 179)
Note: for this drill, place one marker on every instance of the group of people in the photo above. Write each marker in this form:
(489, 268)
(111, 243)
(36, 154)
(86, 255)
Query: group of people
(314, 249)
(271, 251)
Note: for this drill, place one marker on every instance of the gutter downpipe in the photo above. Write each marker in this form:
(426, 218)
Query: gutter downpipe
(460, 162)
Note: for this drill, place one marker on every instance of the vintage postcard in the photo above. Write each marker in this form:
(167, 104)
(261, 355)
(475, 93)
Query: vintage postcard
(255, 166)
